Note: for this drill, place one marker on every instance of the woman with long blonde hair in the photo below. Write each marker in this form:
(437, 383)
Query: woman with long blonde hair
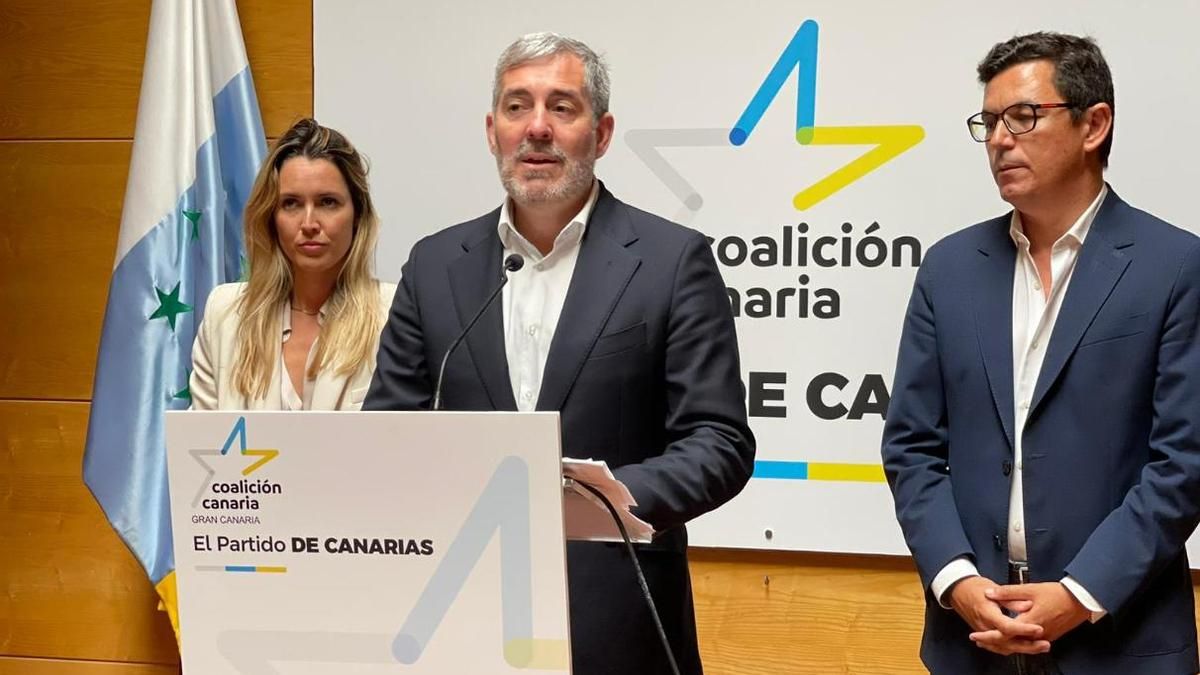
(302, 331)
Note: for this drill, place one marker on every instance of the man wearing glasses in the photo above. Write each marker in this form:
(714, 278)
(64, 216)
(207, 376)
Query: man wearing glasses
(1043, 438)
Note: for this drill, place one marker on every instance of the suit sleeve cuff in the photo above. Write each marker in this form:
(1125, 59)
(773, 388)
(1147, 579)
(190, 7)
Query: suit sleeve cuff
(956, 570)
(1084, 598)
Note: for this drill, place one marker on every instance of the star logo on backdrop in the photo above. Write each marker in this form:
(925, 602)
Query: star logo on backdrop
(884, 142)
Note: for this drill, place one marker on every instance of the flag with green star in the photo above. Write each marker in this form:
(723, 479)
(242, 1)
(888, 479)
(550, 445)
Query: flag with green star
(197, 147)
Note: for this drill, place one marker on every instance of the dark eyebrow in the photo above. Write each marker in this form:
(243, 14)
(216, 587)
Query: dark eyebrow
(320, 195)
(997, 112)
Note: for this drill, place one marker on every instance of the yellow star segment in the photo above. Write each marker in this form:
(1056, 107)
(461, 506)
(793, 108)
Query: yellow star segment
(889, 141)
(536, 654)
(264, 455)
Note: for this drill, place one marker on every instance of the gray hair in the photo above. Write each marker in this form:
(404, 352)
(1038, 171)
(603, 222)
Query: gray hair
(535, 46)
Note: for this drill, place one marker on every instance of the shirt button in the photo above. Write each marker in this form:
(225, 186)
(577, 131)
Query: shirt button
(1017, 526)
(533, 331)
(539, 267)
(1021, 465)
(1037, 285)
(1024, 405)
(525, 396)
(1034, 345)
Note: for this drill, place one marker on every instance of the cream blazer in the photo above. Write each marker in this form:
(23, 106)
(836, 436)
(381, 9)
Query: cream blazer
(214, 352)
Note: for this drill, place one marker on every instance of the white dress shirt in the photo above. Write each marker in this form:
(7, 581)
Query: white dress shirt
(289, 398)
(1034, 314)
(534, 296)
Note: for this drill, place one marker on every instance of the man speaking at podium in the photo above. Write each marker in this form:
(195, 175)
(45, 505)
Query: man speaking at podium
(614, 317)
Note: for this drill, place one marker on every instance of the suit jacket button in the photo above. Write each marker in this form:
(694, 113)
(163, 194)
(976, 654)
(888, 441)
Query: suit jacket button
(1006, 467)
(999, 544)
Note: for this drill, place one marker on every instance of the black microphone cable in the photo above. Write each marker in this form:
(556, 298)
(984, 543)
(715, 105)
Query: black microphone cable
(637, 567)
(512, 263)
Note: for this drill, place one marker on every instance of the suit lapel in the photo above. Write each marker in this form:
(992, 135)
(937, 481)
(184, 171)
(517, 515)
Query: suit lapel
(1102, 261)
(328, 389)
(993, 317)
(602, 272)
(473, 276)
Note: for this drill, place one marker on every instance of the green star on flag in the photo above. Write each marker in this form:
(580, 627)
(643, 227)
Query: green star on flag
(169, 306)
(194, 218)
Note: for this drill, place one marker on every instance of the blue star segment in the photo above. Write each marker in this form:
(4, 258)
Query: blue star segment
(239, 433)
(207, 457)
(800, 55)
(169, 306)
(193, 217)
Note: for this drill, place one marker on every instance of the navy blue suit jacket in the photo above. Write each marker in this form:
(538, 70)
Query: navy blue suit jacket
(644, 371)
(1111, 447)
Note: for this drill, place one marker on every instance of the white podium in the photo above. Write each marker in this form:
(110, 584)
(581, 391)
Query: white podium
(368, 542)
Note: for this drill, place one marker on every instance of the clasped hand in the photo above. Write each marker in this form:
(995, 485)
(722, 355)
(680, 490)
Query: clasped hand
(1016, 619)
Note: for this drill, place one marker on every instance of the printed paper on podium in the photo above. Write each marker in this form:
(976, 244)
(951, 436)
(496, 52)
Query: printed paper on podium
(585, 517)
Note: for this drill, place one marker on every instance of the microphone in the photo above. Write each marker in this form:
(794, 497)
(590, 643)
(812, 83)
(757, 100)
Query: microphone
(512, 263)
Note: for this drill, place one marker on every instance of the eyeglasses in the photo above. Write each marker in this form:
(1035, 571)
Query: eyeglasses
(1020, 118)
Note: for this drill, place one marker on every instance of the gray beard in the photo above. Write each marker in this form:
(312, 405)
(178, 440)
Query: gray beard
(576, 181)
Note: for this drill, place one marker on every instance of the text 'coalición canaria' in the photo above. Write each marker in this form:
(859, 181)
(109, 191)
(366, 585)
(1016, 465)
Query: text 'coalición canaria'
(241, 495)
(797, 247)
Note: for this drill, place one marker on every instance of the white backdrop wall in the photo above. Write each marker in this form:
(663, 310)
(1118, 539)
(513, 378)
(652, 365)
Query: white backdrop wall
(410, 84)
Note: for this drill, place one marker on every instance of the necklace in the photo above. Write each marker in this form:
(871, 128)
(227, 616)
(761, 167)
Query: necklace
(305, 311)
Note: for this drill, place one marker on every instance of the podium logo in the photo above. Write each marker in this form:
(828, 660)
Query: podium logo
(259, 457)
(800, 55)
(502, 510)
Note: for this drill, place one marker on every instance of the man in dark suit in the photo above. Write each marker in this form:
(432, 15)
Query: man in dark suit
(619, 320)
(1043, 438)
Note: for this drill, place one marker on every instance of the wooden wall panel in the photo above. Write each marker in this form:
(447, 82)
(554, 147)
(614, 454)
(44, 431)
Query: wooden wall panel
(71, 588)
(58, 232)
(21, 666)
(72, 69)
(278, 35)
(761, 613)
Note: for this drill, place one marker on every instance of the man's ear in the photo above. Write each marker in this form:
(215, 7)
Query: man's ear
(490, 128)
(1098, 120)
(604, 133)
